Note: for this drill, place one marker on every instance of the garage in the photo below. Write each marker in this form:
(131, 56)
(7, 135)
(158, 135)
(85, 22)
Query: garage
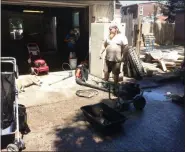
(47, 25)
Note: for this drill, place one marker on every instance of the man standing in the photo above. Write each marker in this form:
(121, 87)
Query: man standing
(116, 46)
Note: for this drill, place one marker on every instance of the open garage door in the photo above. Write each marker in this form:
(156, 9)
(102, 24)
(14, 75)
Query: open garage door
(47, 26)
(47, 3)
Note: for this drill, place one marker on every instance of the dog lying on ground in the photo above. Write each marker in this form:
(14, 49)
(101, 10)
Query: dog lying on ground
(27, 81)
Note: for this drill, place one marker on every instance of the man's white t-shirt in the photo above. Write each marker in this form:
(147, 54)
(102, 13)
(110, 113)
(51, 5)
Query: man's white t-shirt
(114, 47)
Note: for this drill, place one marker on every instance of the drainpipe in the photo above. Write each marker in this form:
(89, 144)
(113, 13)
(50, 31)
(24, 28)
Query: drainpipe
(114, 14)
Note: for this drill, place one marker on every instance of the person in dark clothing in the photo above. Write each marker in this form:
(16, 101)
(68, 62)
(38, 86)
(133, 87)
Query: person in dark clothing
(71, 42)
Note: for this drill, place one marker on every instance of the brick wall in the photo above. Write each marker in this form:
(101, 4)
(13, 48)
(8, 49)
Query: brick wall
(148, 8)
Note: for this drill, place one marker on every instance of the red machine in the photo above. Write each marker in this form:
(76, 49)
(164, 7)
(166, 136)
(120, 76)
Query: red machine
(38, 65)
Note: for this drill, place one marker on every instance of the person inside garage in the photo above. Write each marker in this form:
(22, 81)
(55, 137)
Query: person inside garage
(116, 46)
(71, 40)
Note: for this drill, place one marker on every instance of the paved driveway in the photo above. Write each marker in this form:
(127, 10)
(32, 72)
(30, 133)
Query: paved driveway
(57, 123)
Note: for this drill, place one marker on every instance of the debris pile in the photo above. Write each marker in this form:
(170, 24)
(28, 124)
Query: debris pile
(166, 60)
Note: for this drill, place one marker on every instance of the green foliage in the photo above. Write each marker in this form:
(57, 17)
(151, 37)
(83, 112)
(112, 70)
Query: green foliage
(175, 5)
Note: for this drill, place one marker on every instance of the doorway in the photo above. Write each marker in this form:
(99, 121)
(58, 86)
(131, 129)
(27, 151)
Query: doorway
(47, 27)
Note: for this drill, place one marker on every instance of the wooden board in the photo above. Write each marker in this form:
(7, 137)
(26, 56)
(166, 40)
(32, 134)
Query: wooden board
(162, 63)
(181, 57)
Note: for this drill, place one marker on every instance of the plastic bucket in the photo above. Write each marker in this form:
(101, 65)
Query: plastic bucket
(73, 63)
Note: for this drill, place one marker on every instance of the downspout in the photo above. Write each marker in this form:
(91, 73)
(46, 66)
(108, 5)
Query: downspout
(114, 9)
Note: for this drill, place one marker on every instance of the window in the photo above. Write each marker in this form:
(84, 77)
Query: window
(76, 23)
(16, 28)
(141, 10)
(128, 11)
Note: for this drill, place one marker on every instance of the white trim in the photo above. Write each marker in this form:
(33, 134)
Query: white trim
(44, 3)
(90, 21)
(54, 3)
(140, 10)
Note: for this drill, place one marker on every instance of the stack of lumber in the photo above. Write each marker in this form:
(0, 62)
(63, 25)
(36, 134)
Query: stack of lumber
(166, 60)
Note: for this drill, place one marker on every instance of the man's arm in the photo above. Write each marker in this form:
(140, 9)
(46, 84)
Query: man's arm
(104, 45)
(67, 39)
(125, 46)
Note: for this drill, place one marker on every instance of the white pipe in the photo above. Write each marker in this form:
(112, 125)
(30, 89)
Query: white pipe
(114, 9)
(17, 114)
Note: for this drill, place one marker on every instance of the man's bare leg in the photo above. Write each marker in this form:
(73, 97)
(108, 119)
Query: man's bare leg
(106, 76)
(116, 78)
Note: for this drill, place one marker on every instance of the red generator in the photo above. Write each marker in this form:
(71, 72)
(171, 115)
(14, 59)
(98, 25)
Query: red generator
(37, 64)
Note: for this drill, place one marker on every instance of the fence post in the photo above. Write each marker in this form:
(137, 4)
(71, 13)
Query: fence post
(138, 44)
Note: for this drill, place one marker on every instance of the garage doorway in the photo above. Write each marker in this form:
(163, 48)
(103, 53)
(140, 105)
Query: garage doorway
(48, 27)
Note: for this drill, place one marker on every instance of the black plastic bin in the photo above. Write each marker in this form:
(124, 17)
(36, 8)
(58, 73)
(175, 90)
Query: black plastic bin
(102, 116)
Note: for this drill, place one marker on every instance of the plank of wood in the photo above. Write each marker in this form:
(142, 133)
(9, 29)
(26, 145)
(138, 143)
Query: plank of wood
(178, 61)
(155, 60)
(170, 66)
(181, 57)
(162, 63)
(178, 64)
(170, 63)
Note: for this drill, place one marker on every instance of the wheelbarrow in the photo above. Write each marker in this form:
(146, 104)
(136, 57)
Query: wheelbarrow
(102, 116)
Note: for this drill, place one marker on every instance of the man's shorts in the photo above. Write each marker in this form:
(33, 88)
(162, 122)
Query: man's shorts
(113, 67)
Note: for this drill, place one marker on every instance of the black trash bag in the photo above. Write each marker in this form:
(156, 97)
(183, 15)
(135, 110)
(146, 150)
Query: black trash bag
(23, 126)
(7, 99)
(178, 99)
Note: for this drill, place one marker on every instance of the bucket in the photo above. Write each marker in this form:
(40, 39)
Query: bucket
(73, 63)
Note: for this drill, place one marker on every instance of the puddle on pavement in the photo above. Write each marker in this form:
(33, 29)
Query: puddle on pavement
(160, 94)
(151, 96)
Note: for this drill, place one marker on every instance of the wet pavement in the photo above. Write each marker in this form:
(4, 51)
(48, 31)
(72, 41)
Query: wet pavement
(60, 125)
(160, 93)
(159, 127)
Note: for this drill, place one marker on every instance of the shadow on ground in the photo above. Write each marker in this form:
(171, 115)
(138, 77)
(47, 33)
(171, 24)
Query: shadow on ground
(158, 127)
